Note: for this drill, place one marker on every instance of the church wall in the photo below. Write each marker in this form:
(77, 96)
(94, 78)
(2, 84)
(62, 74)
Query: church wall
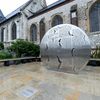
(21, 21)
(24, 24)
(63, 11)
(7, 29)
(83, 7)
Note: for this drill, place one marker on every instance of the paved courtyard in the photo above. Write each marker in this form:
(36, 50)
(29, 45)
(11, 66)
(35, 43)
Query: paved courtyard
(31, 81)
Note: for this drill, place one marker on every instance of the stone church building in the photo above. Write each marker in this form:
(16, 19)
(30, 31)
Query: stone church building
(34, 18)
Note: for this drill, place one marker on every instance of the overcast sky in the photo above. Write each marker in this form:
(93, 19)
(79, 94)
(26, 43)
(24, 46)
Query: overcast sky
(8, 6)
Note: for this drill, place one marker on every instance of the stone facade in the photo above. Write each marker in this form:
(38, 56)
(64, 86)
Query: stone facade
(21, 20)
(36, 10)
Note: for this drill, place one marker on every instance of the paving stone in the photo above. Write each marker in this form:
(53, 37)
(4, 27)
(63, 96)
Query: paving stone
(49, 85)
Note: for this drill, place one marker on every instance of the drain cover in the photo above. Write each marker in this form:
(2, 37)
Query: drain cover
(28, 92)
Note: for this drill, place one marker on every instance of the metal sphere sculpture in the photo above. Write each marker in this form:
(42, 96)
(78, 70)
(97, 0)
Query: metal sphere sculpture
(65, 46)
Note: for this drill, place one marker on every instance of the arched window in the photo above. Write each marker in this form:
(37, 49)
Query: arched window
(33, 32)
(42, 29)
(95, 17)
(57, 20)
(14, 31)
(2, 35)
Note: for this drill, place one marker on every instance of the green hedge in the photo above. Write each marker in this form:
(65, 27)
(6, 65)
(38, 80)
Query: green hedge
(5, 55)
(24, 48)
(96, 53)
(1, 46)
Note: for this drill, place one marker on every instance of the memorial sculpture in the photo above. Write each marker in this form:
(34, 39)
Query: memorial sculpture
(65, 46)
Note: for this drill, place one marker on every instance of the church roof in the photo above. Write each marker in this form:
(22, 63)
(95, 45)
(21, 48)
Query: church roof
(16, 12)
(50, 7)
(55, 3)
(1, 16)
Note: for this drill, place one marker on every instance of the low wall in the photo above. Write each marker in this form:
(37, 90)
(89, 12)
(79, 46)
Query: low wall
(7, 44)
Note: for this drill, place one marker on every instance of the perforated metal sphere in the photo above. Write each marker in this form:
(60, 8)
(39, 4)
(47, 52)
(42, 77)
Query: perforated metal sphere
(65, 46)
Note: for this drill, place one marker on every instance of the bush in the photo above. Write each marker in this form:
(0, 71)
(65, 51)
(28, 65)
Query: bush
(5, 55)
(1, 46)
(24, 48)
(96, 53)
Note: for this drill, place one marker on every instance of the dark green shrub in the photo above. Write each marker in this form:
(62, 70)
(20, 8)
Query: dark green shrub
(24, 48)
(5, 55)
(96, 53)
(1, 46)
